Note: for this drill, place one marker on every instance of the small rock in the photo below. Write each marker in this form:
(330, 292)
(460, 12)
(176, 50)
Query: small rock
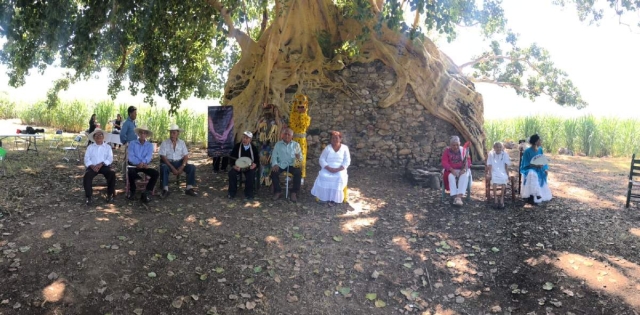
(438, 285)
(418, 272)
(459, 300)
(496, 309)
(137, 290)
(52, 276)
(375, 274)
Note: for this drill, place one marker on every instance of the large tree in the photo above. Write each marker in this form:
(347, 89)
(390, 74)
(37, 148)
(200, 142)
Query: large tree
(256, 49)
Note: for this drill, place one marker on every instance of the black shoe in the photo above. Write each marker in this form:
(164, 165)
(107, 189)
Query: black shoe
(110, 199)
(165, 193)
(230, 196)
(88, 201)
(145, 197)
(248, 198)
(191, 192)
(131, 196)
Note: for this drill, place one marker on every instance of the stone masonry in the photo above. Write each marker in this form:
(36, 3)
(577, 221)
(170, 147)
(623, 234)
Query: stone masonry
(402, 135)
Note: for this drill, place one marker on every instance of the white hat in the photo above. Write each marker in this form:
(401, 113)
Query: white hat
(97, 130)
(175, 127)
(143, 128)
(248, 134)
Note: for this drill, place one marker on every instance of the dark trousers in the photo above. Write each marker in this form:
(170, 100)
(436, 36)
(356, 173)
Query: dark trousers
(132, 172)
(189, 169)
(109, 175)
(297, 176)
(250, 178)
(220, 163)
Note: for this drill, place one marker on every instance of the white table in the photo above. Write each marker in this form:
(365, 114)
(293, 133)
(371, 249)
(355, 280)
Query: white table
(31, 139)
(112, 138)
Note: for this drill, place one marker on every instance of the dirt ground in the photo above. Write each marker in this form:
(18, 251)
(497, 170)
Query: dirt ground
(394, 249)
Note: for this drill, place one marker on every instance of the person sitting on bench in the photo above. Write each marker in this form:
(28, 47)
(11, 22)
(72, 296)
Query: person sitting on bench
(98, 159)
(243, 149)
(139, 154)
(174, 156)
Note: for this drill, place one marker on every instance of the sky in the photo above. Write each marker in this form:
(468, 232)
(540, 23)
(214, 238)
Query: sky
(602, 61)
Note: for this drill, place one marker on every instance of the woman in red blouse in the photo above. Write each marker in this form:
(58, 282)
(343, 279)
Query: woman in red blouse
(456, 172)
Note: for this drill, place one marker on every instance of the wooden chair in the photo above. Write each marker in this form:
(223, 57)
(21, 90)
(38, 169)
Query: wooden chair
(634, 181)
(512, 186)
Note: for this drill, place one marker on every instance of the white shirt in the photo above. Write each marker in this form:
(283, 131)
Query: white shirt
(97, 154)
(166, 149)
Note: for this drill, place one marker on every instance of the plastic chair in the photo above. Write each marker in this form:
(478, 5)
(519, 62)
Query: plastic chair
(3, 157)
(75, 146)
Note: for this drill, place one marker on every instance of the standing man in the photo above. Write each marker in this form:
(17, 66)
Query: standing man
(128, 134)
(173, 158)
(140, 153)
(98, 159)
(285, 153)
(244, 149)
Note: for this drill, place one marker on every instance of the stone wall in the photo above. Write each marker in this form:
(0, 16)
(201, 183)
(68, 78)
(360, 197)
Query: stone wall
(404, 134)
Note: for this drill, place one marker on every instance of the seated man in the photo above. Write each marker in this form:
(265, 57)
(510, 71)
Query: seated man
(98, 159)
(244, 149)
(284, 155)
(173, 158)
(139, 154)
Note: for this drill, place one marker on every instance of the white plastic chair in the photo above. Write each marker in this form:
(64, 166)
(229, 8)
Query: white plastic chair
(75, 144)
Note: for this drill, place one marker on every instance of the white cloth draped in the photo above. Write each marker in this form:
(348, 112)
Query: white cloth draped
(499, 163)
(330, 186)
(532, 188)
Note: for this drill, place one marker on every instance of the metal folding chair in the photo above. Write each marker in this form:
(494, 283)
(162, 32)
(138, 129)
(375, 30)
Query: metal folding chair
(75, 146)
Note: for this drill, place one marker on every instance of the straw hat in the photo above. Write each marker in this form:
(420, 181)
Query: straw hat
(143, 128)
(97, 130)
(175, 127)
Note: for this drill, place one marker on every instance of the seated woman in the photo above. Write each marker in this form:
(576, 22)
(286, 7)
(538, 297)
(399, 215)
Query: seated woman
(117, 125)
(498, 172)
(456, 163)
(332, 179)
(534, 186)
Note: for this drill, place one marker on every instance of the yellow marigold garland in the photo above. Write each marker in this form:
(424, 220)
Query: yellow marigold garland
(299, 123)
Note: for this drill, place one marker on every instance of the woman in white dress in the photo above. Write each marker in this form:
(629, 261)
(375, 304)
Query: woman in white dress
(332, 179)
(498, 172)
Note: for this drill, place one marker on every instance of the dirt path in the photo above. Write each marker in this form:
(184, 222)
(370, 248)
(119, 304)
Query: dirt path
(394, 249)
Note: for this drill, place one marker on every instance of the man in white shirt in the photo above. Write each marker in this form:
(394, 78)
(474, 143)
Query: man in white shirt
(98, 159)
(174, 157)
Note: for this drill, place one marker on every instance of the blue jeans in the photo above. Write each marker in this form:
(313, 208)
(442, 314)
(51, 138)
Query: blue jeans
(165, 170)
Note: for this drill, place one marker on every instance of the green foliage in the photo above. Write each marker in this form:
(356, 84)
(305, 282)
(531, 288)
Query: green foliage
(592, 11)
(589, 135)
(177, 49)
(105, 111)
(529, 71)
(7, 108)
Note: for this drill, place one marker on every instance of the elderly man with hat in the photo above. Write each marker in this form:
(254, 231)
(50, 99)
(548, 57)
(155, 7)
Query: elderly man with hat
(140, 153)
(98, 159)
(250, 157)
(173, 158)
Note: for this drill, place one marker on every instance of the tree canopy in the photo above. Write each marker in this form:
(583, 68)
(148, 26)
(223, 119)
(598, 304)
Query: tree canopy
(177, 49)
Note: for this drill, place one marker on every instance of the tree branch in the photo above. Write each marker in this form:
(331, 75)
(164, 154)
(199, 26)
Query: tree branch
(416, 20)
(496, 57)
(376, 5)
(242, 38)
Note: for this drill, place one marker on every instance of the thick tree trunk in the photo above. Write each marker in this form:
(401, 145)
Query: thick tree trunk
(289, 53)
